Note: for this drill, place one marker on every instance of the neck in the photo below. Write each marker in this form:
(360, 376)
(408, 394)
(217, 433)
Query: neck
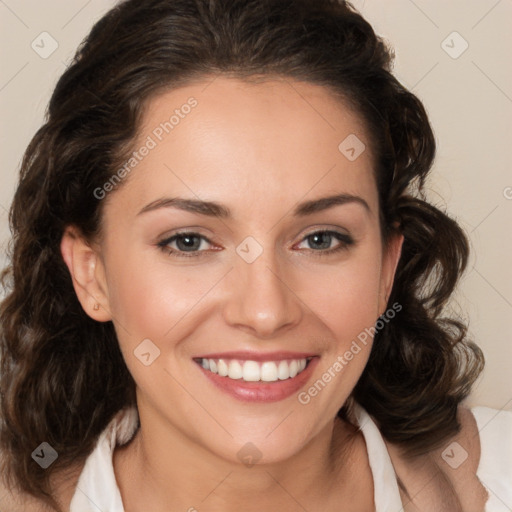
(162, 469)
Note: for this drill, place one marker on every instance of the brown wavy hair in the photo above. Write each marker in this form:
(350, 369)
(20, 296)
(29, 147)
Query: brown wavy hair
(62, 375)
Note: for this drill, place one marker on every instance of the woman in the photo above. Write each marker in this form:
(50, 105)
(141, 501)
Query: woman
(226, 288)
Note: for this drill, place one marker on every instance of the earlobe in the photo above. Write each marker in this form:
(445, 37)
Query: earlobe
(89, 284)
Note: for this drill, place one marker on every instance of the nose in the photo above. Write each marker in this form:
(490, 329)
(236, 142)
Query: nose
(260, 297)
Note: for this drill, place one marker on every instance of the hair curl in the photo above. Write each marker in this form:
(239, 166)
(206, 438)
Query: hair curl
(62, 375)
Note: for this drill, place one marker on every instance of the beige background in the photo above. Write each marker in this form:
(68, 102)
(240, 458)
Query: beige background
(468, 98)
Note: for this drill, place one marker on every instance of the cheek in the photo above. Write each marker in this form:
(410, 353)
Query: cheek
(345, 301)
(345, 297)
(150, 298)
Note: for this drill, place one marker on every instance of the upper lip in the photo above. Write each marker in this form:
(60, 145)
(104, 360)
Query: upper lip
(257, 356)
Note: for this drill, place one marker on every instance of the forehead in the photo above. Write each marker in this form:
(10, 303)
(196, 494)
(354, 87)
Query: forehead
(257, 146)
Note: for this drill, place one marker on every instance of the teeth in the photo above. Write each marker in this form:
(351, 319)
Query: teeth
(222, 368)
(294, 368)
(283, 372)
(253, 371)
(235, 370)
(269, 372)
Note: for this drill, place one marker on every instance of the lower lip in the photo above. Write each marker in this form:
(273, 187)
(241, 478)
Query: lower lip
(261, 391)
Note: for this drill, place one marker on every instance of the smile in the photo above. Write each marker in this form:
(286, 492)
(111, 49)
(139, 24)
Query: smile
(255, 371)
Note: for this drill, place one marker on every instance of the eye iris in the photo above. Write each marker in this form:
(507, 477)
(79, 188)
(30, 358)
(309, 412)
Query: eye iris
(320, 236)
(187, 242)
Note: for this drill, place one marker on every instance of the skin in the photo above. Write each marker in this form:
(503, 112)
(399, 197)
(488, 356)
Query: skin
(259, 149)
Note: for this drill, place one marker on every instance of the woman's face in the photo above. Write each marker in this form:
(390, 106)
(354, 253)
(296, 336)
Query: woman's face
(245, 170)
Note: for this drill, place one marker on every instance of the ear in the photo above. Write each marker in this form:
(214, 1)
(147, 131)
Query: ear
(87, 273)
(390, 259)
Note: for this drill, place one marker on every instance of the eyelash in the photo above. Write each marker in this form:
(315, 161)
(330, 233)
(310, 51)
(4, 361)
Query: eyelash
(344, 239)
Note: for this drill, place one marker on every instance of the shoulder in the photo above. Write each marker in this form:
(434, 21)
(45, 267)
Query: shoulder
(445, 478)
(459, 459)
(495, 468)
(486, 436)
(495, 432)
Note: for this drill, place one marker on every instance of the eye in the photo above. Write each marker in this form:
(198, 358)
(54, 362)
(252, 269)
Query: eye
(190, 244)
(321, 241)
(187, 244)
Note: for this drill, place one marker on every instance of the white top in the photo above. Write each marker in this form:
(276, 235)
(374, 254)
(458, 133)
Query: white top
(97, 488)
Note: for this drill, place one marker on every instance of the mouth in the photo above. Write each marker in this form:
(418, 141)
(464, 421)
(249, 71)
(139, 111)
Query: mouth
(257, 377)
(255, 371)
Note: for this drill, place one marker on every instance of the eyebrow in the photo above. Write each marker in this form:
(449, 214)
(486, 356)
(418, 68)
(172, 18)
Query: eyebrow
(213, 209)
